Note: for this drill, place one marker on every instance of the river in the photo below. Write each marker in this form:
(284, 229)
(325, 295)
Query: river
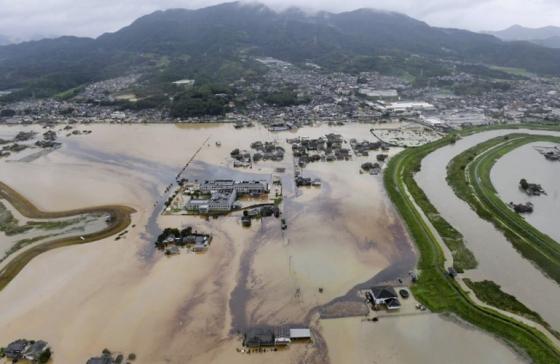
(498, 260)
(526, 162)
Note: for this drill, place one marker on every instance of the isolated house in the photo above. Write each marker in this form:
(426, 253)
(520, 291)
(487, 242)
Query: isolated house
(386, 296)
(16, 349)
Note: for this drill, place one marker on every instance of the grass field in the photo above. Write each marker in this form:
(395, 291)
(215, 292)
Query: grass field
(463, 258)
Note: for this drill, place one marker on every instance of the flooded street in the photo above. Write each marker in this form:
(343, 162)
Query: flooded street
(126, 296)
(526, 162)
(496, 256)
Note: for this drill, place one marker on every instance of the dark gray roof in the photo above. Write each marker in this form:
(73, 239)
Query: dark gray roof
(37, 348)
(384, 292)
(100, 360)
(259, 337)
(392, 302)
(16, 348)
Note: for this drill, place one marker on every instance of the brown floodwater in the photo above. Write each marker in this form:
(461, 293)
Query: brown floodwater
(419, 339)
(128, 297)
(498, 260)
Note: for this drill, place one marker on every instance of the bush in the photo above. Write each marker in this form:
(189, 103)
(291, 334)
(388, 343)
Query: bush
(45, 356)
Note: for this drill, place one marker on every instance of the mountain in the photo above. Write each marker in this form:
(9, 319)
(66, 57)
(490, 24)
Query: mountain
(552, 42)
(546, 36)
(4, 40)
(215, 42)
(518, 32)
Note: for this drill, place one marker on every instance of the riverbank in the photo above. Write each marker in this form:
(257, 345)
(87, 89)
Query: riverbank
(492, 294)
(120, 218)
(469, 176)
(434, 288)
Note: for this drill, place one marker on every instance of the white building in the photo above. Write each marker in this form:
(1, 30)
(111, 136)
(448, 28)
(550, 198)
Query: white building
(241, 187)
(467, 118)
(185, 83)
(379, 94)
(404, 106)
(219, 201)
(300, 334)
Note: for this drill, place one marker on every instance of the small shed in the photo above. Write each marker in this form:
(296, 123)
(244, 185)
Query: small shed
(300, 334)
(282, 336)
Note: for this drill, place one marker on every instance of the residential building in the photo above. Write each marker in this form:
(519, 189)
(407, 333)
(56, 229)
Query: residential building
(386, 296)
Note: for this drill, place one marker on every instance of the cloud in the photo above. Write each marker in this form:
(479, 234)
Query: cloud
(27, 19)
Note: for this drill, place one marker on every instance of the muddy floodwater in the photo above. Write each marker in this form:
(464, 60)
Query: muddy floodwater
(126, 296)
(419, 339)
(498, 260)
(526, 162)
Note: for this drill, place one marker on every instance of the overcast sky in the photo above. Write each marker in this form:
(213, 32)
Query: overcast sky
(24, 19)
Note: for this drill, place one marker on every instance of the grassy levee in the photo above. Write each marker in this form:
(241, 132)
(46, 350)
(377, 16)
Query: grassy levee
(120, 219)
(469, 176)
(531, 126)
(434, 289)
(463, 258)
(492, 294)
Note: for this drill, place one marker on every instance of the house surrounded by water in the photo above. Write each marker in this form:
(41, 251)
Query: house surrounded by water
(384, 296)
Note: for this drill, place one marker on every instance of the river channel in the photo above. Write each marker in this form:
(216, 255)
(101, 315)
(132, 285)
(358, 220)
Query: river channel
(526, 162)
(498, 260)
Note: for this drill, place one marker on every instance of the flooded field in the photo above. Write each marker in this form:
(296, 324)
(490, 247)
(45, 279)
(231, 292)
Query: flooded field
(526, 162)
(24, 232)
(126, 296)
(496, 256)
(419, 339)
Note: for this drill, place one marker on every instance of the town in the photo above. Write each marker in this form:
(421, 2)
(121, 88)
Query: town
(320, 96)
